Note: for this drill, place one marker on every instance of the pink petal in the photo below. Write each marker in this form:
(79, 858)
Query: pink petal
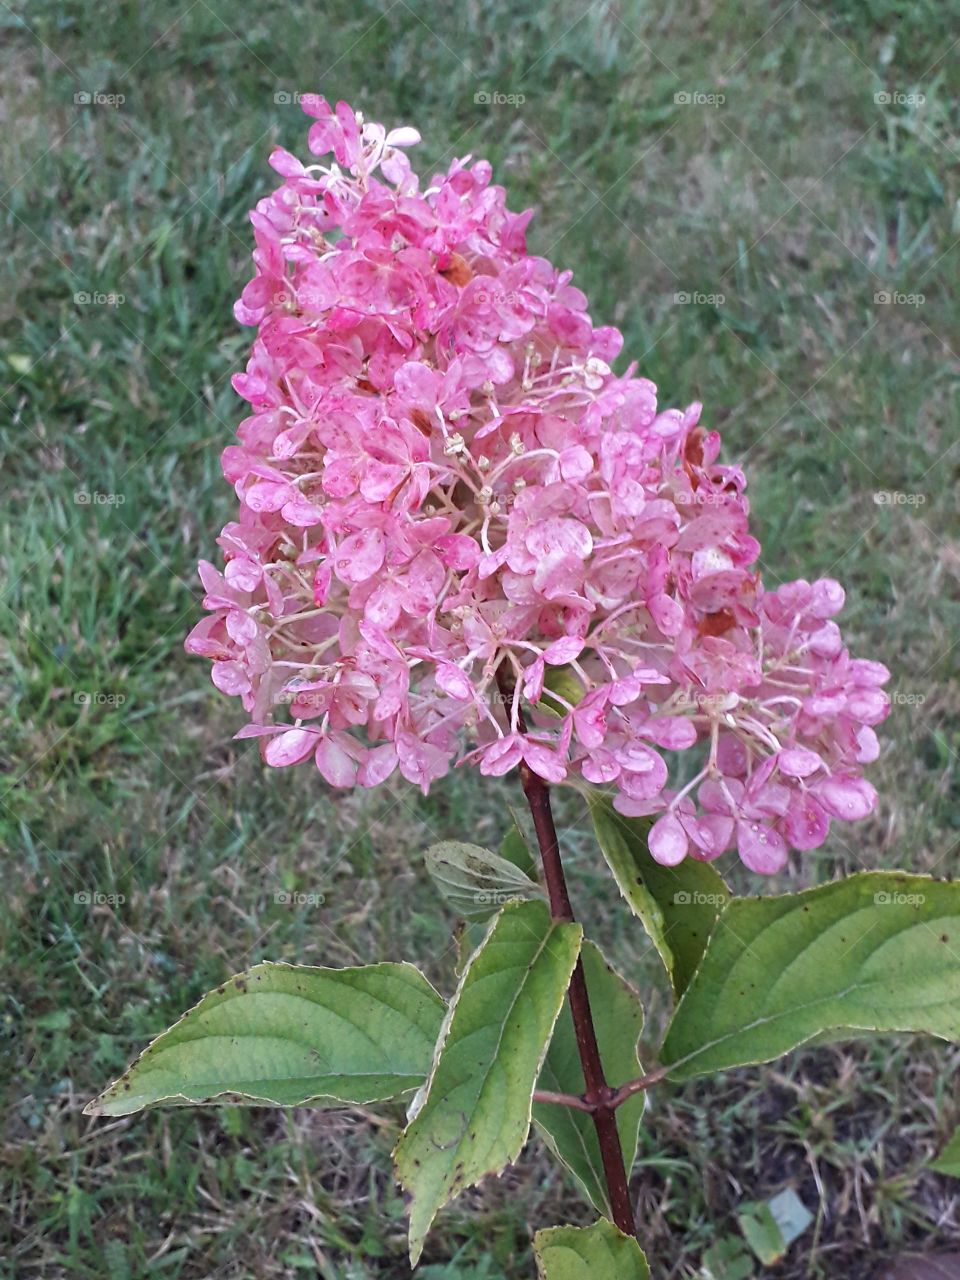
(405, 136)
(667, 614)
(289, 748)
(566, 649)
(287, 165)
(321, 583)
(600, 768)
(335, 765)
(576, 463)
(673, 733)
(453, 682)
(457, 551)
(798, 762)
(268, 495)
(230, 678)
(301, 512)
(711, 833)
(807, 823)
(378, 765)
(533, 678)
(561, 534)
(869, 706)
(501, 756)
(544, 762)
(667, 841)
(590, 720)
(243, 575)
(761, 848)
(866, 672)
(828, 597)
(845, 797)
(827, 642)
(643, 783)
(241, 627)
(421, 762)
(631, 808)
(868, 746)
(360, 555)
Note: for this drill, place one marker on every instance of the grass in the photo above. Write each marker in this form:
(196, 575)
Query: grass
(784, 210)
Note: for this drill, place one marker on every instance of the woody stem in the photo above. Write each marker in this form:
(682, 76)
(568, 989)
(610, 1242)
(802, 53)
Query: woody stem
(598, 1096)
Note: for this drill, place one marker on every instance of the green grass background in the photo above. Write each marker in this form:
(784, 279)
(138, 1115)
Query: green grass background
(790, 206)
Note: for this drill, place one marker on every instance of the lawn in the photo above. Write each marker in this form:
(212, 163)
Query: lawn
(766, 199)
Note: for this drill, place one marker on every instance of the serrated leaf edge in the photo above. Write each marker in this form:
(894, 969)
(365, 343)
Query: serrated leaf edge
(416, 1247)
(838, 1029)
(95, 1106)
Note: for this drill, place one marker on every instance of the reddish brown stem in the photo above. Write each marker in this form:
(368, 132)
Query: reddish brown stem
(597, 1095)
(575, 1100)
(616, 1097)
(637, 1086)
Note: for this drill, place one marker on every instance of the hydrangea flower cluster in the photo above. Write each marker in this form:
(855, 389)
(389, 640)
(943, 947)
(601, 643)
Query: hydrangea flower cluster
(463, 537)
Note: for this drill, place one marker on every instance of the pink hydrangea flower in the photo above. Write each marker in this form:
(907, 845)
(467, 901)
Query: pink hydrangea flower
(442, 479)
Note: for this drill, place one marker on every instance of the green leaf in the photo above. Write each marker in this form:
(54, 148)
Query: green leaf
(475, 881)
(289, 1035)
(761, 1232)
(678, 906)
(728, 1259)
(571, 1135)
(468, 935)
(474, 1114)
(516, 850)
(563, 681)
(600, 1252)
(878, 951)
(948, 1161)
